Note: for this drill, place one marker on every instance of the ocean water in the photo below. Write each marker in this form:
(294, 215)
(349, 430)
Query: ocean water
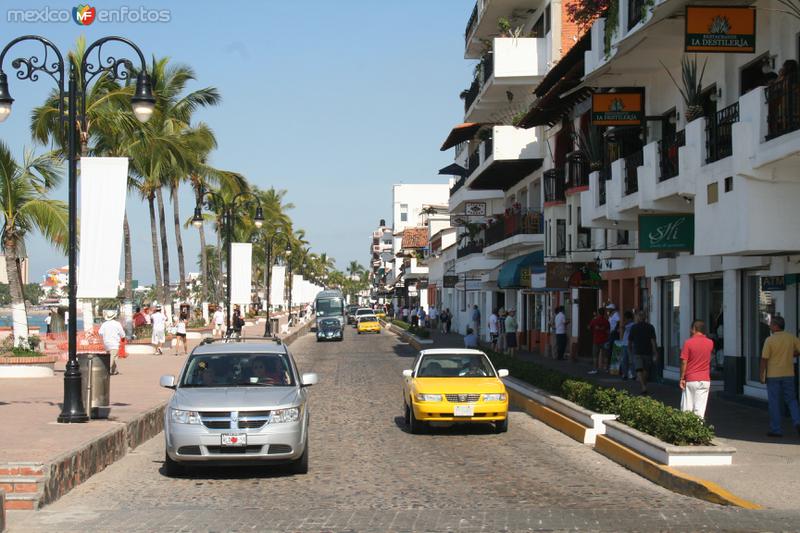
(34, 321)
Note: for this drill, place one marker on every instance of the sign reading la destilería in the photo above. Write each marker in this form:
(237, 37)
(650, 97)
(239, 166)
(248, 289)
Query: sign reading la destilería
(671, 233)
(721, 29)
(618, 108)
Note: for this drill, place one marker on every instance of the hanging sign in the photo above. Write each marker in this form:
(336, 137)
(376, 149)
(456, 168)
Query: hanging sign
(586, 276)
(721, 29)
(621, 108)
(660, 233)
(773, 283)
(475, 209)
(450, 282)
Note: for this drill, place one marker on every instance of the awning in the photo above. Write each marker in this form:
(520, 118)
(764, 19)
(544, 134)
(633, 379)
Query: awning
(459, 134)
(571, 58)
(504, 174)
(516, 273)
(453, 170)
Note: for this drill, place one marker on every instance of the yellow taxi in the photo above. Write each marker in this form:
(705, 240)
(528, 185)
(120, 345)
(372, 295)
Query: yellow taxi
(368, 324)
(450, 385)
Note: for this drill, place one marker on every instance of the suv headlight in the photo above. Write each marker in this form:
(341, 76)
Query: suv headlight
(184, 417)
(494, 397)
(429, 397)
(291, 414)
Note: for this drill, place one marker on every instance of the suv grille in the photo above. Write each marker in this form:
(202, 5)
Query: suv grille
(234, 449)
(246, 419)
(463, 398)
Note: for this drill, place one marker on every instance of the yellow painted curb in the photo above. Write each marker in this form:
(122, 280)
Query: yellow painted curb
(552, 418)
(669, 477)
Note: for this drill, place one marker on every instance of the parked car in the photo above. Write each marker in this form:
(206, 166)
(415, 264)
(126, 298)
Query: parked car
(454, 386)
(351, 313)
(329, 329)
(237, 403)
(368, 324)
(361, 311)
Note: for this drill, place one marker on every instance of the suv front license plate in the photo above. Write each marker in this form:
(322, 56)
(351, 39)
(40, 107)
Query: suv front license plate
(464, 410)
(234, 439)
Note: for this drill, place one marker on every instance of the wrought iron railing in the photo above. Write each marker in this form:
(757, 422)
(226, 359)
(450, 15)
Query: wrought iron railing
(473, 162)
(577, 170)
(473, 18)
(458, 184)
(632, 164)
(719, 133)
(514, 223)
(472, 94)
(783, 106)
(473, 247)
(668, 155)
(554, 185)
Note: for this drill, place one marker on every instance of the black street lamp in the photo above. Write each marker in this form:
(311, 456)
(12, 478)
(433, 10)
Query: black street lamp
(227, 220)
(142, 102)
(268, 326)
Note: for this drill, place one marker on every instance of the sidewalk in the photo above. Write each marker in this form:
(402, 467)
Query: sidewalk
(765, 470)
(40, 459)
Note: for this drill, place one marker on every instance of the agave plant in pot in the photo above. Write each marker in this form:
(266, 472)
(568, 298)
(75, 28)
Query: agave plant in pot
(692, 86)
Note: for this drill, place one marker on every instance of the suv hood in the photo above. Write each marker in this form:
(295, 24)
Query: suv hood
(234, 398)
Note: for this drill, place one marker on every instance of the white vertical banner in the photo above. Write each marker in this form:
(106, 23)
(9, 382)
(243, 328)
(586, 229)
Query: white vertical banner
(241, 273)
(277, 286)
(297, 289)
(104, 186)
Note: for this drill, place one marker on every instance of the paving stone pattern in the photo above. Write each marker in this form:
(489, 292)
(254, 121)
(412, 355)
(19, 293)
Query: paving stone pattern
(368, 474)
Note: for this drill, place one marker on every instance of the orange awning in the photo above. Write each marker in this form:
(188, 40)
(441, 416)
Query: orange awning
(462, 132)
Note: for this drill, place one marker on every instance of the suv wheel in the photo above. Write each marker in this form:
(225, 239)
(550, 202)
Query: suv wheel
(300, 466)
(172, 468)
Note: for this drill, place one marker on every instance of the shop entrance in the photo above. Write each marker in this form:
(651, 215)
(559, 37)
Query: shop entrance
(708, 308)
(587, 305)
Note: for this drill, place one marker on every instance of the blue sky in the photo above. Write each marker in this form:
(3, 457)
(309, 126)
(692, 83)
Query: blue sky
(333, 101)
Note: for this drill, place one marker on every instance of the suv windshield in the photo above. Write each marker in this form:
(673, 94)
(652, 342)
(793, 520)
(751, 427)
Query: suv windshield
(237, 370)
(455, 365)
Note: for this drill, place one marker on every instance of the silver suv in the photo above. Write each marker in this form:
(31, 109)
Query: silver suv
(237, 403)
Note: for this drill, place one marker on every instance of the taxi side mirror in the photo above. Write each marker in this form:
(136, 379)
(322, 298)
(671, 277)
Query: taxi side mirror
(502, 373)
(408, 373)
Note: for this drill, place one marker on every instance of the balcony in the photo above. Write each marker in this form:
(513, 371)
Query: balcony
(508, 156)
(719, 133)
(472, 247)
(632, 164)
(577, 172)
(554, 187)
(783, 107)
(520, 229)
(482, 22)
(514, 65)
(668, 150)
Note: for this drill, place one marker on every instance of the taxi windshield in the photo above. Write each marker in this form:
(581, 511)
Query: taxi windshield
(455, 365)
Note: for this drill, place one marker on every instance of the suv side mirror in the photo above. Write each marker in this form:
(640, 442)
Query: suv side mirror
(408, 373)
(306, 380)
(502, 373)
(167, 382)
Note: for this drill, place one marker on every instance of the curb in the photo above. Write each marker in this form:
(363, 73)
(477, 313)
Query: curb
(406, 336)
(662, 475)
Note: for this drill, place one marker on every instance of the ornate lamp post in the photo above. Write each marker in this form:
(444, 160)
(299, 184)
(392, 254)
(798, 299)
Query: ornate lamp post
(143, 104)
(227, 220)
(268, 326)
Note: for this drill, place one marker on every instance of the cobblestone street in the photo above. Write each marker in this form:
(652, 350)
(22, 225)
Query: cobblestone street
(368, 474)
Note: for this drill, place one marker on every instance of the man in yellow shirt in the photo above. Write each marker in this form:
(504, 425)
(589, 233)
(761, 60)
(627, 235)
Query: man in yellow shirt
(777, 371)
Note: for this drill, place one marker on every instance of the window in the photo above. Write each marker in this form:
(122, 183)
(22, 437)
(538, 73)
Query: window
(759, 308)
(403, 212)
(538, 28)
(387, 242)
(712, 192)
(729, 184)
(671, 323)
(708, 307)
(752, 75)
(623, 237)
(561, 237)
(547, 24)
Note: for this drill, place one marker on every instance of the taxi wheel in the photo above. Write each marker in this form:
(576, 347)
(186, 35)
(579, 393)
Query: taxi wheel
(501, 427)
(172, 468)
(406, 416)
(415, 426)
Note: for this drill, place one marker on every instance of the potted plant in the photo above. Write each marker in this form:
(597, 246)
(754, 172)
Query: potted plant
(692, 86)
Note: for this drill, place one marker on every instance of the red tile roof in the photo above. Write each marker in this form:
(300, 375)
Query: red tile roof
(415, 238)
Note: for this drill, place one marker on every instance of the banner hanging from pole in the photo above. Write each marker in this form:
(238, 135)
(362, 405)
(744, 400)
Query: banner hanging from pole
(104, 188)
(277, 287)
(241, 273)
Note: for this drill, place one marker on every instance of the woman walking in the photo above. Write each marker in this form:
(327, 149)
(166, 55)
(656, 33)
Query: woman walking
(180, 332)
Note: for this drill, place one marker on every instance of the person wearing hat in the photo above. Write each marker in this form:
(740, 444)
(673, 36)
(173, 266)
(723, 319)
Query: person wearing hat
(112, 333)
(159, 322)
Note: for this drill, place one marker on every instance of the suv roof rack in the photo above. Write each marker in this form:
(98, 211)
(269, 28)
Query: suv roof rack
(212, 340)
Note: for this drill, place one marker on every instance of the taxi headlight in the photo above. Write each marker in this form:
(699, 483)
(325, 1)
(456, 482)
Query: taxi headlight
(184, 417)
(279, 416)
(429, 397)
(494, 397)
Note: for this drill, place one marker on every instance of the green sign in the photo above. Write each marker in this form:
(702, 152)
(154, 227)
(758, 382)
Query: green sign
(666, 233)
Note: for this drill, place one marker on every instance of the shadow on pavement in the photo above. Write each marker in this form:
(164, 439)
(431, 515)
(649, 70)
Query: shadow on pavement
(452, 429)
(210, 473)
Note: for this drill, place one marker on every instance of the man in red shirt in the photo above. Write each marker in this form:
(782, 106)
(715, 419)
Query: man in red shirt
(696, 370)
(600, 327)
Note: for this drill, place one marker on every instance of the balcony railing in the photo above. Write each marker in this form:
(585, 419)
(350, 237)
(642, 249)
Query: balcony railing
(719, 133)
(458, 184)
(668, 155)
(632, 164)
(472, 94)
(554, 185)
(514, 223)
(473, 18)
(783, 106)
(605, 175)
(473, 247)
(577, 170)
(473, 162)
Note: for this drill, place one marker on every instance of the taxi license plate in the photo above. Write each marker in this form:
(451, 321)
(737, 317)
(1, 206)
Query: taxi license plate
(464, 410)
(234, 439)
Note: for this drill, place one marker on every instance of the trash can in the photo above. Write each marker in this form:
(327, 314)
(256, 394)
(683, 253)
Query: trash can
(96, 383)
(274, 326)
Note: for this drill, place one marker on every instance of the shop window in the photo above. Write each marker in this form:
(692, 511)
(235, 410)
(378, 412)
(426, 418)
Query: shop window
(712, 192)
(729, 184)
(708, 308)
(759, 308)
(671, 321)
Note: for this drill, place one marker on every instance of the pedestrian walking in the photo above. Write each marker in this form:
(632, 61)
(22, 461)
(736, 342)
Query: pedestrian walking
(159, 335)
(501, 329)
(470, 339)
(626, 369)
(433, 316)
(405, 313)
(642, 339)
(511, 332)
(560, 322)
(695, 379)
(112, 333)
(493, 331)
(777, 371)
(139, 319)
(180, 332)
(422, 317)
(218, 319)
(476, 320)
(599, 327)
(237, 323)
(48, 320)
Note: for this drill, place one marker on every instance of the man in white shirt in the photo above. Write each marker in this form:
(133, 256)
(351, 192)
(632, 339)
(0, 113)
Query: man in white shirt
(159, 322)
(561, 332)
(112, 333)
(218, 319)
(493, 332)
(614, 323)
(433, 316)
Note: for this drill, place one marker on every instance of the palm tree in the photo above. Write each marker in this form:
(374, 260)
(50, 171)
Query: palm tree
(355, 268)
(25, 207)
